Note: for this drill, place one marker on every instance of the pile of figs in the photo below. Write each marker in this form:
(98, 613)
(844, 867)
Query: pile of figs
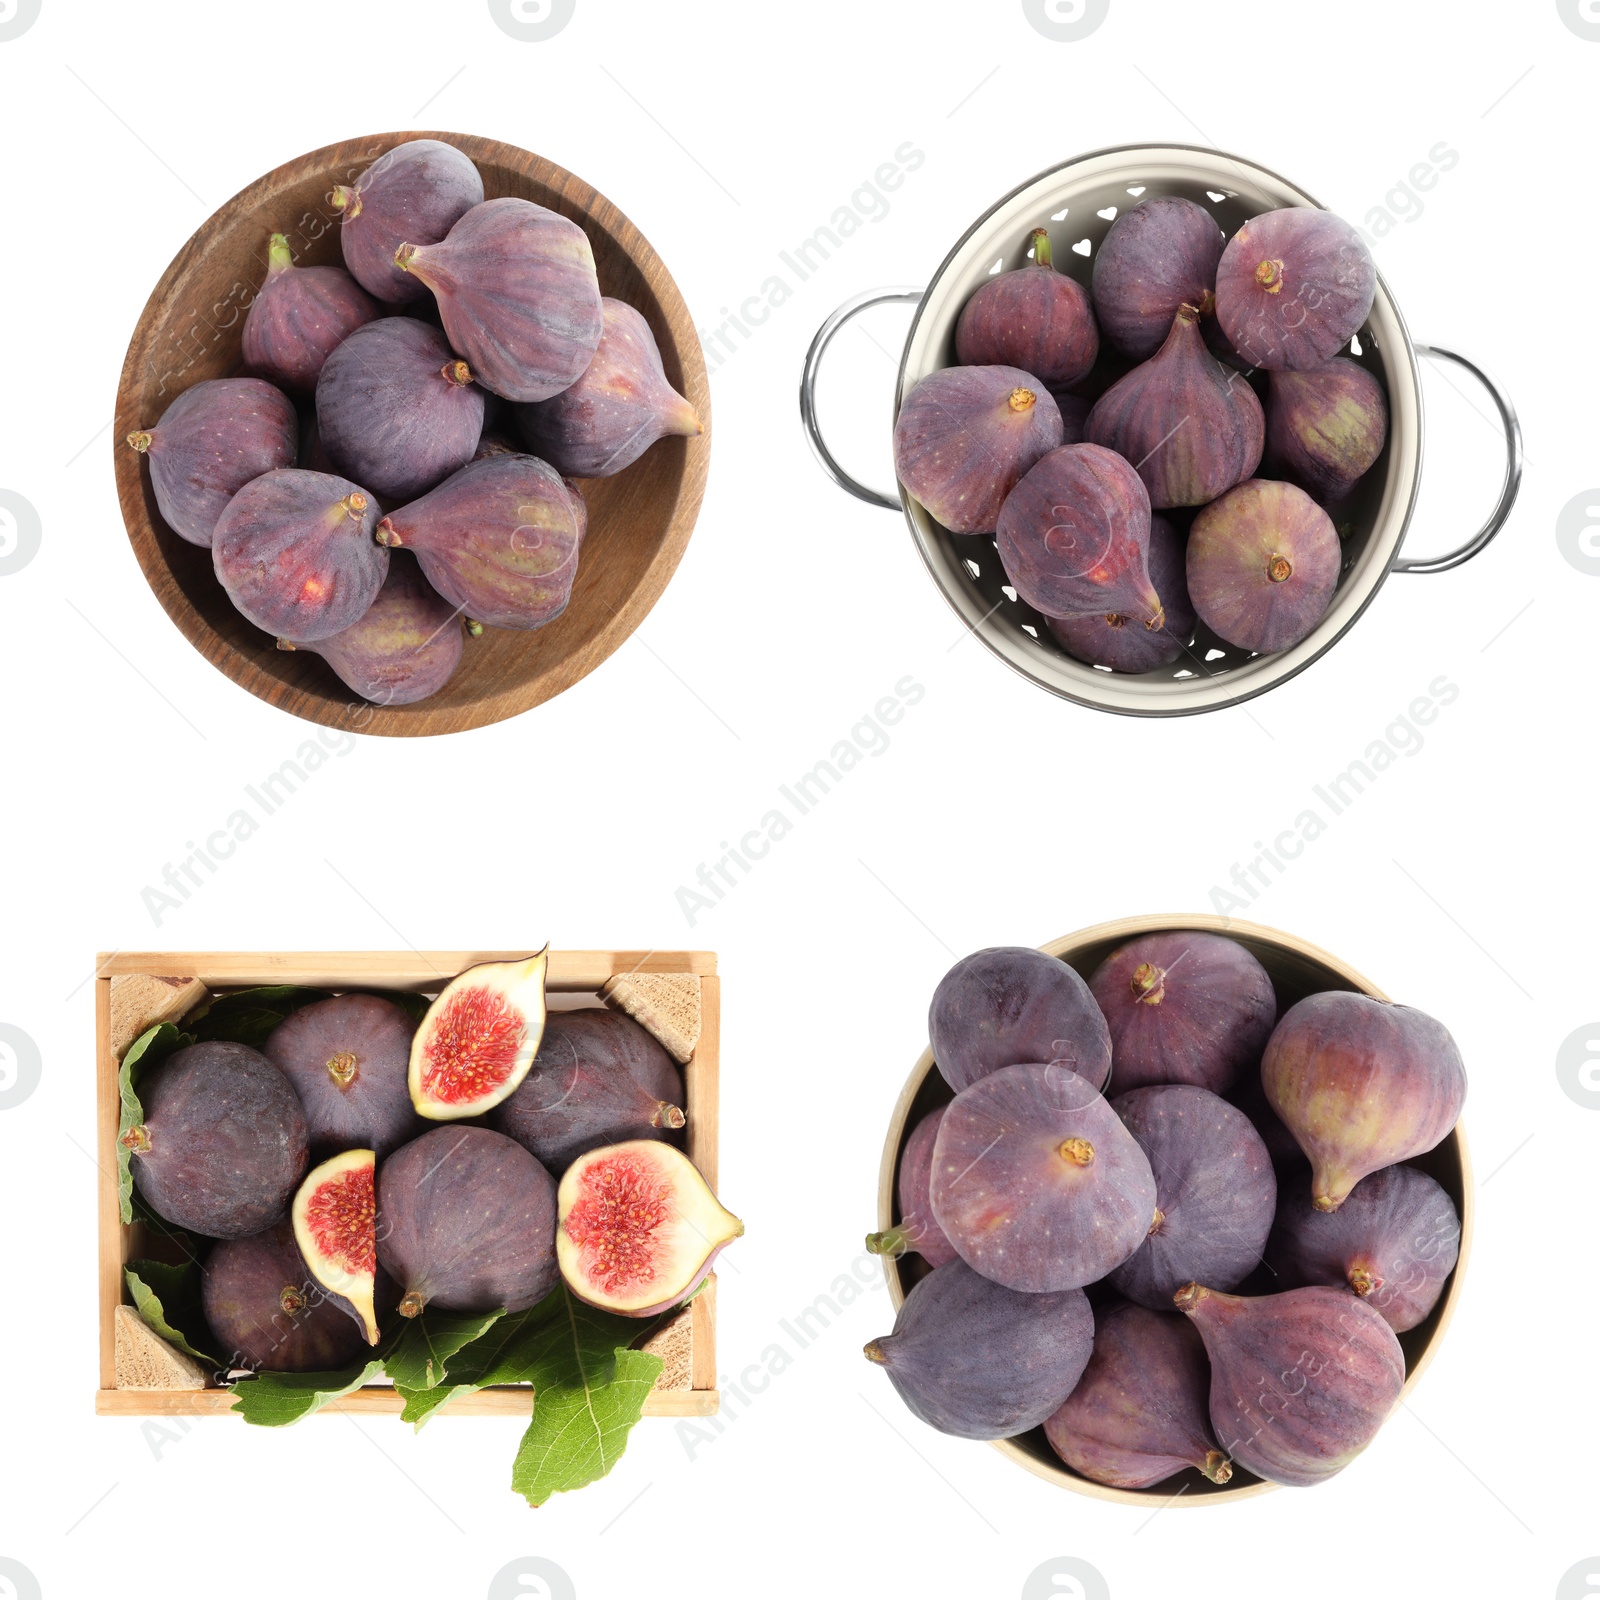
(362, 1166)
(1176, 442)
(1168, 1221)
(395, 467)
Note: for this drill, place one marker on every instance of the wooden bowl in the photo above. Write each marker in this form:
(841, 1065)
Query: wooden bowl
(639, 521)
(1296, 969)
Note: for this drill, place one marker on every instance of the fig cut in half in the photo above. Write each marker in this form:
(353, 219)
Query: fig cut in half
(639, 1227)
(335, 1217)
(478, 1039)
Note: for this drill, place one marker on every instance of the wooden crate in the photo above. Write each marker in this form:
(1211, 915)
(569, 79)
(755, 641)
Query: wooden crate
(688, 1383)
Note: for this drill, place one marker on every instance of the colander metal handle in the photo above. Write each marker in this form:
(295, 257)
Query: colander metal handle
(808, 390)
(1508, 488)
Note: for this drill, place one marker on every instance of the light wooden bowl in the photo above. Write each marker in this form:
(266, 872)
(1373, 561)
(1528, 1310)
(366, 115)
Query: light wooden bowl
(1296, 969)
(639, 521)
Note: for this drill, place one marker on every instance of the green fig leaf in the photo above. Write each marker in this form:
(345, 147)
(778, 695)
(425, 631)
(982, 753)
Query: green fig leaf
(168, 1298)
(247, 1016)
(149, 1050)
(276, 1399)
(425, 1349)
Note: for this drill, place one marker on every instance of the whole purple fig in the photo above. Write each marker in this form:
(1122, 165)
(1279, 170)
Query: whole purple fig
(966, 435)
(1037, 1183)
(211, 441)
(1074, 538)
(1034, 318)
(1192, 427)
(980, 1361)
(1010, 1004)
(1362, 1084)
(1327, 425)
(1300, 1382)
(1106, 639)
(1161, 255)
(396, 409)
(1215, 1192)
(1184, 1008)
(916, 1229)
(1139, 1413)
(1262, 564)
(404, 648)
(1293, 286)
(1394, 1242)
(613, 413)
(517, 290)
(299, 317)
(498, 539)
(415, 192)
(296, 554)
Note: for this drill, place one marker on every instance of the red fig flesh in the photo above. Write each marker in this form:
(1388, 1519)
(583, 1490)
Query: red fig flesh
(1037, 1183)
(517, 290)
(1362, 1084)
(1293, 286)
(916, 1229)
(1263, 563)
(966, 435)
(299, 317)
(211, 441)
(499, 540)
(980, 1361)
(1140, 1412)
(1035, 318)
(1327, 426)
(1300, 1382)
(639, 1227)
(1191, 427)
(1161, 255)
(478, 1039)
(335, 1227)
(616, 410)
(295, 552)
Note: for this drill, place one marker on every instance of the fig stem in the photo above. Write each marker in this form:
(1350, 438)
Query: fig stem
(1078, 1151)
(1217, 1467)
(1364, 1280)
(668, 1116)
(342, 1069)
(1279, 568)
(404, 256)
(411, 1305)
(1148, 984)
(1042, 256)
(874, 1351)
(354, 506)
(286, 644)
(137, 1140)
(458, 373)
(385, 533)
(1189, 1296)
(140, 440)
(891, 1242)
(1157, 1220)
(291, 1300)
(1269, 274)
(1021, 399)
(279, 255)
(473, 627)
(347, 200)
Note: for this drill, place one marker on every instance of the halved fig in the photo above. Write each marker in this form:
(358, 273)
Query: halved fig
(639, 1227)
(478, 1039)
(335, 1219)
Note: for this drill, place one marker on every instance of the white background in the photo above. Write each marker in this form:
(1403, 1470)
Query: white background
(1462, 882)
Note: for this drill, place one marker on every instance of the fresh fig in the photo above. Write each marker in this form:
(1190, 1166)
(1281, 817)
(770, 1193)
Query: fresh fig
(396, 410)
(468, 1223)
(1215, 1193)
(335, 1225)
(1034, 318)
(478, 1039)
(1037, 1183)
(916, 1229)
(1159, 256)
(299, 317)
(1184, 1008)
(1263, 563)
(265, 1310)
(639, 1227)
(223, 1141)
(1009, 1004)
(1293, 286)
(616, 410)
(404, 648)
(1394, 1241)
(211, 441)
(417, 191)
(1111, 639)
(1300, 1382)
(599, 1078)
(295, 552)
(1326, 426)
(499, 540)
(1362, 1084)
(347, 1059)
(1074, 538)
(517, 290)
(1139, 1413)
(1192, 427)
(980, 1361)
(966, 435)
